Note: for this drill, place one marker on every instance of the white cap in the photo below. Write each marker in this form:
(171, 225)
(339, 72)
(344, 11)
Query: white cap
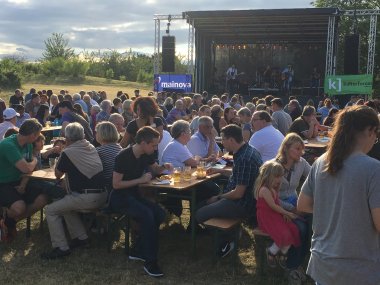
(10, 113)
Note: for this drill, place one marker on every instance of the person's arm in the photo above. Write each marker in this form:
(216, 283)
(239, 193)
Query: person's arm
(376, 218)
(159, 169)
(267, 195)
(191, 162)
(125, 140)
(26, 167)
(235, 194)
(55, 149)
(64, 125)
(305, 203)
(119, 183)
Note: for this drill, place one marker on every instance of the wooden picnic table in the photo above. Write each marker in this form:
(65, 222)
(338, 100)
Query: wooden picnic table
(182, 190)
(51, 128)
(44, 174)
(315, 143)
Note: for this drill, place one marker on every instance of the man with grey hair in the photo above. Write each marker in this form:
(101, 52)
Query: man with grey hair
(78, 99)
(204, 110)
(281, 120)
(202, 143)
(82, 169)
(177, 113)
(197, 103)
(105, 112)
(118, 121)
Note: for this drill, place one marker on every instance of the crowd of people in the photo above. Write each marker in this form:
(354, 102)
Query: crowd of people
(106, 149)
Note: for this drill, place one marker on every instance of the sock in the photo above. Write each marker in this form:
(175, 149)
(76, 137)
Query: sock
(274, 249)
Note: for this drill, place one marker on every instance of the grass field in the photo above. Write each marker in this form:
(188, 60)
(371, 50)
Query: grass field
(21, 264)
(89, 84)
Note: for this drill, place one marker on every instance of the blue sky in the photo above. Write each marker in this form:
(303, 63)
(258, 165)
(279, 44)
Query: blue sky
(104, 25)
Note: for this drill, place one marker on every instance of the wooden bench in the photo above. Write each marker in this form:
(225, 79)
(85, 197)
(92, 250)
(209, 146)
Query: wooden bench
(261, 243)
(220, 225)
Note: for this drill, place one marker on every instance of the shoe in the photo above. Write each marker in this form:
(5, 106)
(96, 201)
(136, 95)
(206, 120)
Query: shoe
(76, 242)
(135, 255)
(227, 248)
(56, 253)
(152, 269)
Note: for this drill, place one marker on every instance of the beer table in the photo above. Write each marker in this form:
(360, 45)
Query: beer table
(317, 143)
(179, 190)
(51, 128)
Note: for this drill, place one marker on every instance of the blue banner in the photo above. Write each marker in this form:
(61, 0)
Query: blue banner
(173, 82)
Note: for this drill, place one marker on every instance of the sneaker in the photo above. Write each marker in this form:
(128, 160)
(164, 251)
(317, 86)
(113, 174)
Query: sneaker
(227, 248)
(56, 253)
(152, 269)
(135, 255)
(76, 242)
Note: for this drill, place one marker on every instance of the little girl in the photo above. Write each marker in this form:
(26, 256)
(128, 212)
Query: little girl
(273, 219)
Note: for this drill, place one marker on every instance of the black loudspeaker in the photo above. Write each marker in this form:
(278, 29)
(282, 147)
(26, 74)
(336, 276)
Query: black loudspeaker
(168, 54)
(351, 54)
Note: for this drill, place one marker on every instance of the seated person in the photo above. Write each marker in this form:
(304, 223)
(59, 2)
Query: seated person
(204, 110)
(83, 170)
(16, 159)
(237, 200)
(307, 126)
(177, 113)
(54, 152)
(130, 171)
(202, 143)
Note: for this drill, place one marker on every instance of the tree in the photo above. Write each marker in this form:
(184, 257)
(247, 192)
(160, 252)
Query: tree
(57, 46)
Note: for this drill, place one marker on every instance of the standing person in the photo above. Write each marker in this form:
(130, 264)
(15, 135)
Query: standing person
(342, 191)
(272, 218)
(231, 79)
(287, 76)
(146, 109)
(129, 172)
(237, 200)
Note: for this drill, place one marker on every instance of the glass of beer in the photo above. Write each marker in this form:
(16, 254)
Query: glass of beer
(201, 170)
(187, 173)
(177, 174)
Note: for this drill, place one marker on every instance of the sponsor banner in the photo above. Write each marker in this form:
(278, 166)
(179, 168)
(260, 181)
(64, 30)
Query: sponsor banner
(173, 82)
(348, 84)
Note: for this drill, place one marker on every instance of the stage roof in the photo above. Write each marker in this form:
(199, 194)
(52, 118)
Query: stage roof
(254, 26)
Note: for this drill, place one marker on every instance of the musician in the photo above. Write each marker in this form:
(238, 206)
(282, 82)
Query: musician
(287, 76)
(231, 77)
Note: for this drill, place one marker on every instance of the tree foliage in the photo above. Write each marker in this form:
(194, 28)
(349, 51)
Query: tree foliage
(56, 46)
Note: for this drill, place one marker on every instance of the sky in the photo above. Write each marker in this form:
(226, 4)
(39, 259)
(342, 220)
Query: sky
(92, 25)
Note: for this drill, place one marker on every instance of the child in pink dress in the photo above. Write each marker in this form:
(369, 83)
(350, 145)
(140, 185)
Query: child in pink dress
(271, 217)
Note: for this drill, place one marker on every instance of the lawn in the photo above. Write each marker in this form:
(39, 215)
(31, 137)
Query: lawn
(21, 263)
(89, 84)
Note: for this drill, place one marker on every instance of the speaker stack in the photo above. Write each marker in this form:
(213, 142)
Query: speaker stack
(351, 54)
(168, 54)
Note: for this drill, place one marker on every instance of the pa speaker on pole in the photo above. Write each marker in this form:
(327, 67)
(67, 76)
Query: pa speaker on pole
(351, 54)
(168, 54)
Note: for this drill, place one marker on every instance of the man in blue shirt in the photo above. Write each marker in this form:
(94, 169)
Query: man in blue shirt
(202, 143)
(237, 200)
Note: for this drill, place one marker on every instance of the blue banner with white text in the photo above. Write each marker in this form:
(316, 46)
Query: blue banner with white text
(173, 82)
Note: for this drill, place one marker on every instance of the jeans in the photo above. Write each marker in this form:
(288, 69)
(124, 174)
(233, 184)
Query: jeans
(296, 255)
(147, 214)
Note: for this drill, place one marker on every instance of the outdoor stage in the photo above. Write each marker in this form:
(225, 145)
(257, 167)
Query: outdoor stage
(254, 40)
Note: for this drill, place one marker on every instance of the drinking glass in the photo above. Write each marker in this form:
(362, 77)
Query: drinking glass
(177, 174)
(187, 173)
(201, 170)
(52, 162)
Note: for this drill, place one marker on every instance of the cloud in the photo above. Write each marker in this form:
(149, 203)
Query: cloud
(95, 24)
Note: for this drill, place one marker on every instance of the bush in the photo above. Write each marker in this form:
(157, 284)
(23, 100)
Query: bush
(75, 68)
(143, 76)
(53, 67)
(109, 73)
(122, 78)
(10, 80)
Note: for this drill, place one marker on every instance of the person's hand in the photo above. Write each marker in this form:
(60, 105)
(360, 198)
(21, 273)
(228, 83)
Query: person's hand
(146, 177)
(213, 199)
(168, 166)
(20, 189)
(57, 149)
(212, 158)
(292, 215)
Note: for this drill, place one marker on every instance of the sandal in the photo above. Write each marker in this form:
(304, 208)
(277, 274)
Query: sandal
(282, 258)
(271, 258)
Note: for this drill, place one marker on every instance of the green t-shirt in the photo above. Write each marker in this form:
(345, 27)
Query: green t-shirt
(10, 153)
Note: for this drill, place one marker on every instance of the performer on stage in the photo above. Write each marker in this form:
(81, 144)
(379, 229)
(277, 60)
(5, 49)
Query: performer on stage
(287, 76)
(231, 79)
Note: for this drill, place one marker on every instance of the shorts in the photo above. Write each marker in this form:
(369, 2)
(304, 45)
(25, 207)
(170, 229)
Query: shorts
(9, 195)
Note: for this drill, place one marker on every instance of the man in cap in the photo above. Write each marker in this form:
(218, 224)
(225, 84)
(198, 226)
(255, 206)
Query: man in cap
(10, 118)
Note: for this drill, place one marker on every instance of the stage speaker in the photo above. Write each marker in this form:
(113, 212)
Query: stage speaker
(351, 54)
(168, 54)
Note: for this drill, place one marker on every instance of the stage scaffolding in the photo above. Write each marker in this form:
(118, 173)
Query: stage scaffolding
(197, 43)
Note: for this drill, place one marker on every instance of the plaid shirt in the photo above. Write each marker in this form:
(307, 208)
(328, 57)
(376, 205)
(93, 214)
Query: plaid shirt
(247, 162)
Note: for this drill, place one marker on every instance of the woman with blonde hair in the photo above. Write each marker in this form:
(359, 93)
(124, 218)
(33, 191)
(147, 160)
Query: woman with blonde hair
(342, 191)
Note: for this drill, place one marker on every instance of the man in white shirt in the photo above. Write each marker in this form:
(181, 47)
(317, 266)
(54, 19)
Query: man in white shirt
(10, 119)
(266, 139)
(281, 120)
(202, 143)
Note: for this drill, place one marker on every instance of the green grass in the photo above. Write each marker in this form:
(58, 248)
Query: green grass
(21, 264)
(88, 84)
